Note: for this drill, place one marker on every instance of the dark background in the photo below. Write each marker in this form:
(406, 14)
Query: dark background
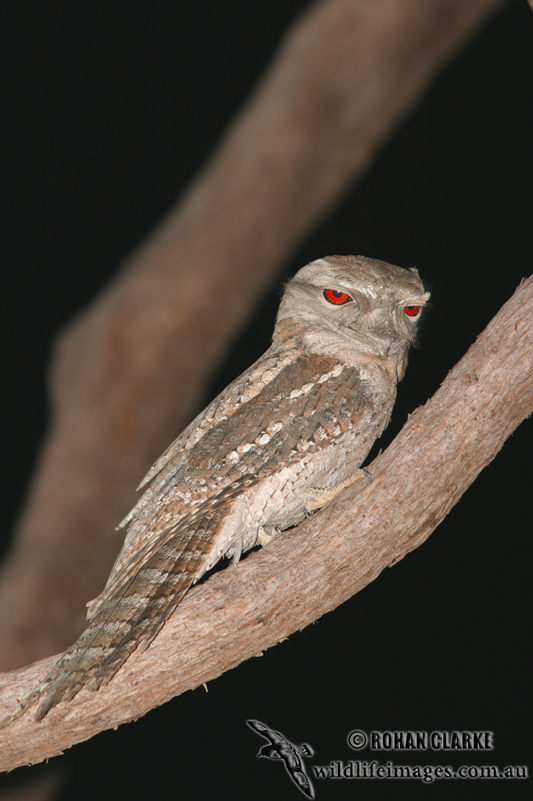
(108, 110)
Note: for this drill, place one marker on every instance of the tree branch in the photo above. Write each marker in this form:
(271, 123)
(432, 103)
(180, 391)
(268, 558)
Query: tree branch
(301, 575)
(129, 372)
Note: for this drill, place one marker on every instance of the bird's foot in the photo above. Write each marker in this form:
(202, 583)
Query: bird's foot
(321, 497)
(266, 533)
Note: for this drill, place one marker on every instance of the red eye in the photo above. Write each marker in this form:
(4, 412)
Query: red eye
(411, 311)
(336, 297)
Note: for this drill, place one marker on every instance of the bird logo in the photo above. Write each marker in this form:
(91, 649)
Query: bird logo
(282, 749)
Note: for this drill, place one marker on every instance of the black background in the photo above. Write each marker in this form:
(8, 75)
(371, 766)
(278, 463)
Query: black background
(108, 110)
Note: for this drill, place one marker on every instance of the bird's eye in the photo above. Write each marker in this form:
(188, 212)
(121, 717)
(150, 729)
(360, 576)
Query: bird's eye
(336, 297)
(411, 311)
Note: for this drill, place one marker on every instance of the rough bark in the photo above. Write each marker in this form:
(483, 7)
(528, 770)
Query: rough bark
(314, 568)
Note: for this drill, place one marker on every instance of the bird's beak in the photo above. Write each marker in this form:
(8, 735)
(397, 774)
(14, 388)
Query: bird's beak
(386, 343)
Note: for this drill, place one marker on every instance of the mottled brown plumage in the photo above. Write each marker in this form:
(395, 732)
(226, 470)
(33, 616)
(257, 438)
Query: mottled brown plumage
(292, 429)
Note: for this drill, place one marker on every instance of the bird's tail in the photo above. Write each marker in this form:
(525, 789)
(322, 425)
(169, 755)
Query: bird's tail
(131, 618)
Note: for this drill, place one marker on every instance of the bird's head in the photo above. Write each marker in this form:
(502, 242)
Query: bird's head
(365, 304)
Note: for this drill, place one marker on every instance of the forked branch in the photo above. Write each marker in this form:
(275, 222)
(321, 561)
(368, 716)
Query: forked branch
(129, 373)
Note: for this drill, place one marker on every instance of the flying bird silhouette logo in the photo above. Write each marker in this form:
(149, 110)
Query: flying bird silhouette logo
(291, 755)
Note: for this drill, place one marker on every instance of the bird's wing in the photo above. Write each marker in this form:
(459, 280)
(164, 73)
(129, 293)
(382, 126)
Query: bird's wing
(301, 780)
(174, 464)
(264, 432)
(243, 389)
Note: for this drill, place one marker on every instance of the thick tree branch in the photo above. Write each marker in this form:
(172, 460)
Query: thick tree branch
(129, 373)
(301, 575)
